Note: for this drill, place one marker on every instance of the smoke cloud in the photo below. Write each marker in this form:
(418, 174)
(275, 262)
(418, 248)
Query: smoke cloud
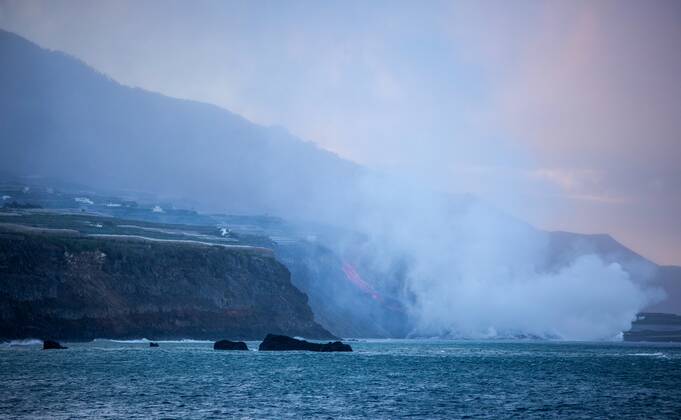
(475, 272)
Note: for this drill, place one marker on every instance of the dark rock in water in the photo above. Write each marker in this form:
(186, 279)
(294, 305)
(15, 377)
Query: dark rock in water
(152, 344)
(229, 345)
(282, 343)
(52, 345)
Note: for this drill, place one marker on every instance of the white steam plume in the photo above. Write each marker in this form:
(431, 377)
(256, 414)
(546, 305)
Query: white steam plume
(475, 272)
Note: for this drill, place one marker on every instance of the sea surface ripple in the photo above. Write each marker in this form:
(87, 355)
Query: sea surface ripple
(380, 379)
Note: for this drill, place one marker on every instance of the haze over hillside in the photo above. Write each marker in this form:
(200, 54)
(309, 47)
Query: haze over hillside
(463, 267)
(63, 119)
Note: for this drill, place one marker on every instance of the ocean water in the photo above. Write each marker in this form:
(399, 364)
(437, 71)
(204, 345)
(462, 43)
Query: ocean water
(380, 379)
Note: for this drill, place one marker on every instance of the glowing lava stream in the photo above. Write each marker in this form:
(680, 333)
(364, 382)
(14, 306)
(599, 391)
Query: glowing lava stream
(354, 277)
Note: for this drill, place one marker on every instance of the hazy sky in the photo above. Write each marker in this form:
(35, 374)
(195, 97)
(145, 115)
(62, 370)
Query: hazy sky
(566, 114)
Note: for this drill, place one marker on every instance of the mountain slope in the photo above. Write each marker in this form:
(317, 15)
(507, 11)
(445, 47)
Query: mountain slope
(62, 118)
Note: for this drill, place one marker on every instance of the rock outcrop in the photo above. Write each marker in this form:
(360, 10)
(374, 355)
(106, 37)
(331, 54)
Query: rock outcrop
(229, 345)
(273, 342)
(80, 287)
(655, 327)
(52, 345)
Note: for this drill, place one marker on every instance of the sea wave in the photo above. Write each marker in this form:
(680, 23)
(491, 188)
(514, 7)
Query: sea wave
(24, 342)
(146, 341)
(655, 354)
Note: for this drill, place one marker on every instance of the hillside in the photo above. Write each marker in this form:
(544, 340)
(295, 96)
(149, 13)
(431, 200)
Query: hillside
(62, 118)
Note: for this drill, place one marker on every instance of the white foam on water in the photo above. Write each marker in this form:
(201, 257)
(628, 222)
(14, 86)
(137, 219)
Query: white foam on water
(655, 354)
(146, 341)
(185, 340)
(133, 341)
(25, 342)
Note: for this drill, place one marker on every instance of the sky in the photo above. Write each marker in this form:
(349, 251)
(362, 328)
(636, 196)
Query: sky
(565, 114)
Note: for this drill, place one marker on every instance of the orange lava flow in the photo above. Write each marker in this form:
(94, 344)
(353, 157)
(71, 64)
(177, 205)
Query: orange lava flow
(354, 277)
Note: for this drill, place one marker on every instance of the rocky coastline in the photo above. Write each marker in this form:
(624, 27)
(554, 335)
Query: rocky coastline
(75, 287)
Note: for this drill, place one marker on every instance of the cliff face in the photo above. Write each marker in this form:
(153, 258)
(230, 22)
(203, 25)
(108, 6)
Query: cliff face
(657, 327)
(73, 286)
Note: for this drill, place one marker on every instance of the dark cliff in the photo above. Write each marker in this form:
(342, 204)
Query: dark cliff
(655, 327)
(66, 285)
